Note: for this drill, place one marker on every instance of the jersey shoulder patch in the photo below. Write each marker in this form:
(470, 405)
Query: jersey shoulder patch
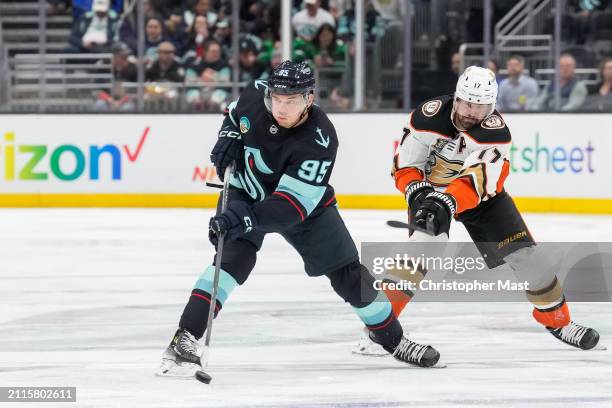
(430, 108)
(434, 116)
(491, 130)
(493, 122)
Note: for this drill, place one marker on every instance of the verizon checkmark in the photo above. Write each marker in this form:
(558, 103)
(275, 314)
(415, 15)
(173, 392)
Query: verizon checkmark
(134, 156)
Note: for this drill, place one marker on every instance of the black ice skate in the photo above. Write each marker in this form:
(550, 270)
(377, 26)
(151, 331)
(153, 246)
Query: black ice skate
(410, 352)
(576, 335)
(182, 357)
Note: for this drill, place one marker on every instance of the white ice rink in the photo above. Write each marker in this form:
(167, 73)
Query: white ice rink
(90, 298)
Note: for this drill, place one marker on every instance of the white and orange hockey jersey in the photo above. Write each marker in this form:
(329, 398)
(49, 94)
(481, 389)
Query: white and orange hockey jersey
(471, 166)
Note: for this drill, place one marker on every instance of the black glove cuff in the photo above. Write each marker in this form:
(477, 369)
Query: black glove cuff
(446, 199)
(243, 214)
(414, 188)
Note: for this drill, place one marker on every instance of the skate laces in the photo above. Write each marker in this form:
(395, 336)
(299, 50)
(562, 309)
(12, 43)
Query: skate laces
(408, 350)
(188, 343)
(573, 333)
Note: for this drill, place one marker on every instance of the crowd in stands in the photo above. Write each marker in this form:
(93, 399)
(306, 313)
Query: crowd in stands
(518, 91)
(188, 43)
(188, 49)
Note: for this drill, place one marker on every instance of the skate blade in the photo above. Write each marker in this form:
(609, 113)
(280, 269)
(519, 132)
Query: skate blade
(599, 347)
(370, 353)
(370, 349)
(439, 364)
(366, 347)
(170, 368)
(418, 367)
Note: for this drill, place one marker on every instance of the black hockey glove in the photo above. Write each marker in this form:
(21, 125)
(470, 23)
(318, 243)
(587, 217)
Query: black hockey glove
(229, 148)
(237, 219)
(415, 195)
(436, 212)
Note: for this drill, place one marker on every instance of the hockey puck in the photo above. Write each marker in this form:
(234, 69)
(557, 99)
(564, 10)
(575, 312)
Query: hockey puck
(203, 377)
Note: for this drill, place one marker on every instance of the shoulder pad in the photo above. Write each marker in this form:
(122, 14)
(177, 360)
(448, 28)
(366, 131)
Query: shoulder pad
(491, 130)
(434, 116)
(259, 85)
(319, 133)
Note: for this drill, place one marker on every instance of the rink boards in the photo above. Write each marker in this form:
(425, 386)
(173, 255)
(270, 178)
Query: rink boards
(559, 163)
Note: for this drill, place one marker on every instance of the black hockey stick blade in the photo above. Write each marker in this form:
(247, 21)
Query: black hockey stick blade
(214, 184)
(405, 225)
(397, 224)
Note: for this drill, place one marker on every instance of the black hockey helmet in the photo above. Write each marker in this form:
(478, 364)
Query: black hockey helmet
(290, 78)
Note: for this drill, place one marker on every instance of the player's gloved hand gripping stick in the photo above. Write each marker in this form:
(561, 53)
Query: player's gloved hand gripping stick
(236, 220)
(201, 375)
(429, 213)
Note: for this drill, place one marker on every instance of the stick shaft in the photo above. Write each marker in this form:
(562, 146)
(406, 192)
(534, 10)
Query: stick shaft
(213, 298)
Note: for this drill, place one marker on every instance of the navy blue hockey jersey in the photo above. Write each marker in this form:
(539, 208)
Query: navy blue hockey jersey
(286, 171)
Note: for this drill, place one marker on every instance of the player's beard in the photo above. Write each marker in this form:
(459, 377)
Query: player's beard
(463, 123)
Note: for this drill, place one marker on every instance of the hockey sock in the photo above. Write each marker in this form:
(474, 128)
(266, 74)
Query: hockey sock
(379, 318)
(550, 308)
(404, 272)
(195, 314)
(398, 298)
(553, 317)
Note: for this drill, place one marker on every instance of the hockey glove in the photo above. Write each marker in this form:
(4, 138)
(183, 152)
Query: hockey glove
(415, 195)
(238, 219)
(229, 148)
(435, 213)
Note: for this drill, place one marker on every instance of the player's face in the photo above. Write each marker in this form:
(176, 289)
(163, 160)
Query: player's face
(468, 115)
(287, 109)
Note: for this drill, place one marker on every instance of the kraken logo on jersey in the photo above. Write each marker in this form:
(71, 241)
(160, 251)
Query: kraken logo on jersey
(431, 108)
(440, 171)
(253, 159)
(261, 83)
(323, 141)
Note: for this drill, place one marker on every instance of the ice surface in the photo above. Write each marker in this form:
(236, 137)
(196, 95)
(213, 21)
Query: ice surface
(90, 298)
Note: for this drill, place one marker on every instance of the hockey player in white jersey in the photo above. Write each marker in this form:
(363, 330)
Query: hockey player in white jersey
(451, 163)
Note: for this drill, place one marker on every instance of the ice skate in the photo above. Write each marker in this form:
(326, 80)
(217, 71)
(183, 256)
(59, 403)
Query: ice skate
(182, 357)
(576, 335)
(367, 347)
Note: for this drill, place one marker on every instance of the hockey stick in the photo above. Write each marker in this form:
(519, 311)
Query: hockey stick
(405, 225)
(200, 374)
(398, 224)
(212, 179)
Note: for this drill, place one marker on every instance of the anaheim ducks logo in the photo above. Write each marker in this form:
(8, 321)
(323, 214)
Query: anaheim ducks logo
(441, 171)
(431, 108)
(493, 122)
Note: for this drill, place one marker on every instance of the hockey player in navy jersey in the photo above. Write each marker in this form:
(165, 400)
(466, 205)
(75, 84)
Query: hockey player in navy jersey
(284, 148)
(451, 163)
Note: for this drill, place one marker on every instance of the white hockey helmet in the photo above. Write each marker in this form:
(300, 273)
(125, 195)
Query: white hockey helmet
(477, 85)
